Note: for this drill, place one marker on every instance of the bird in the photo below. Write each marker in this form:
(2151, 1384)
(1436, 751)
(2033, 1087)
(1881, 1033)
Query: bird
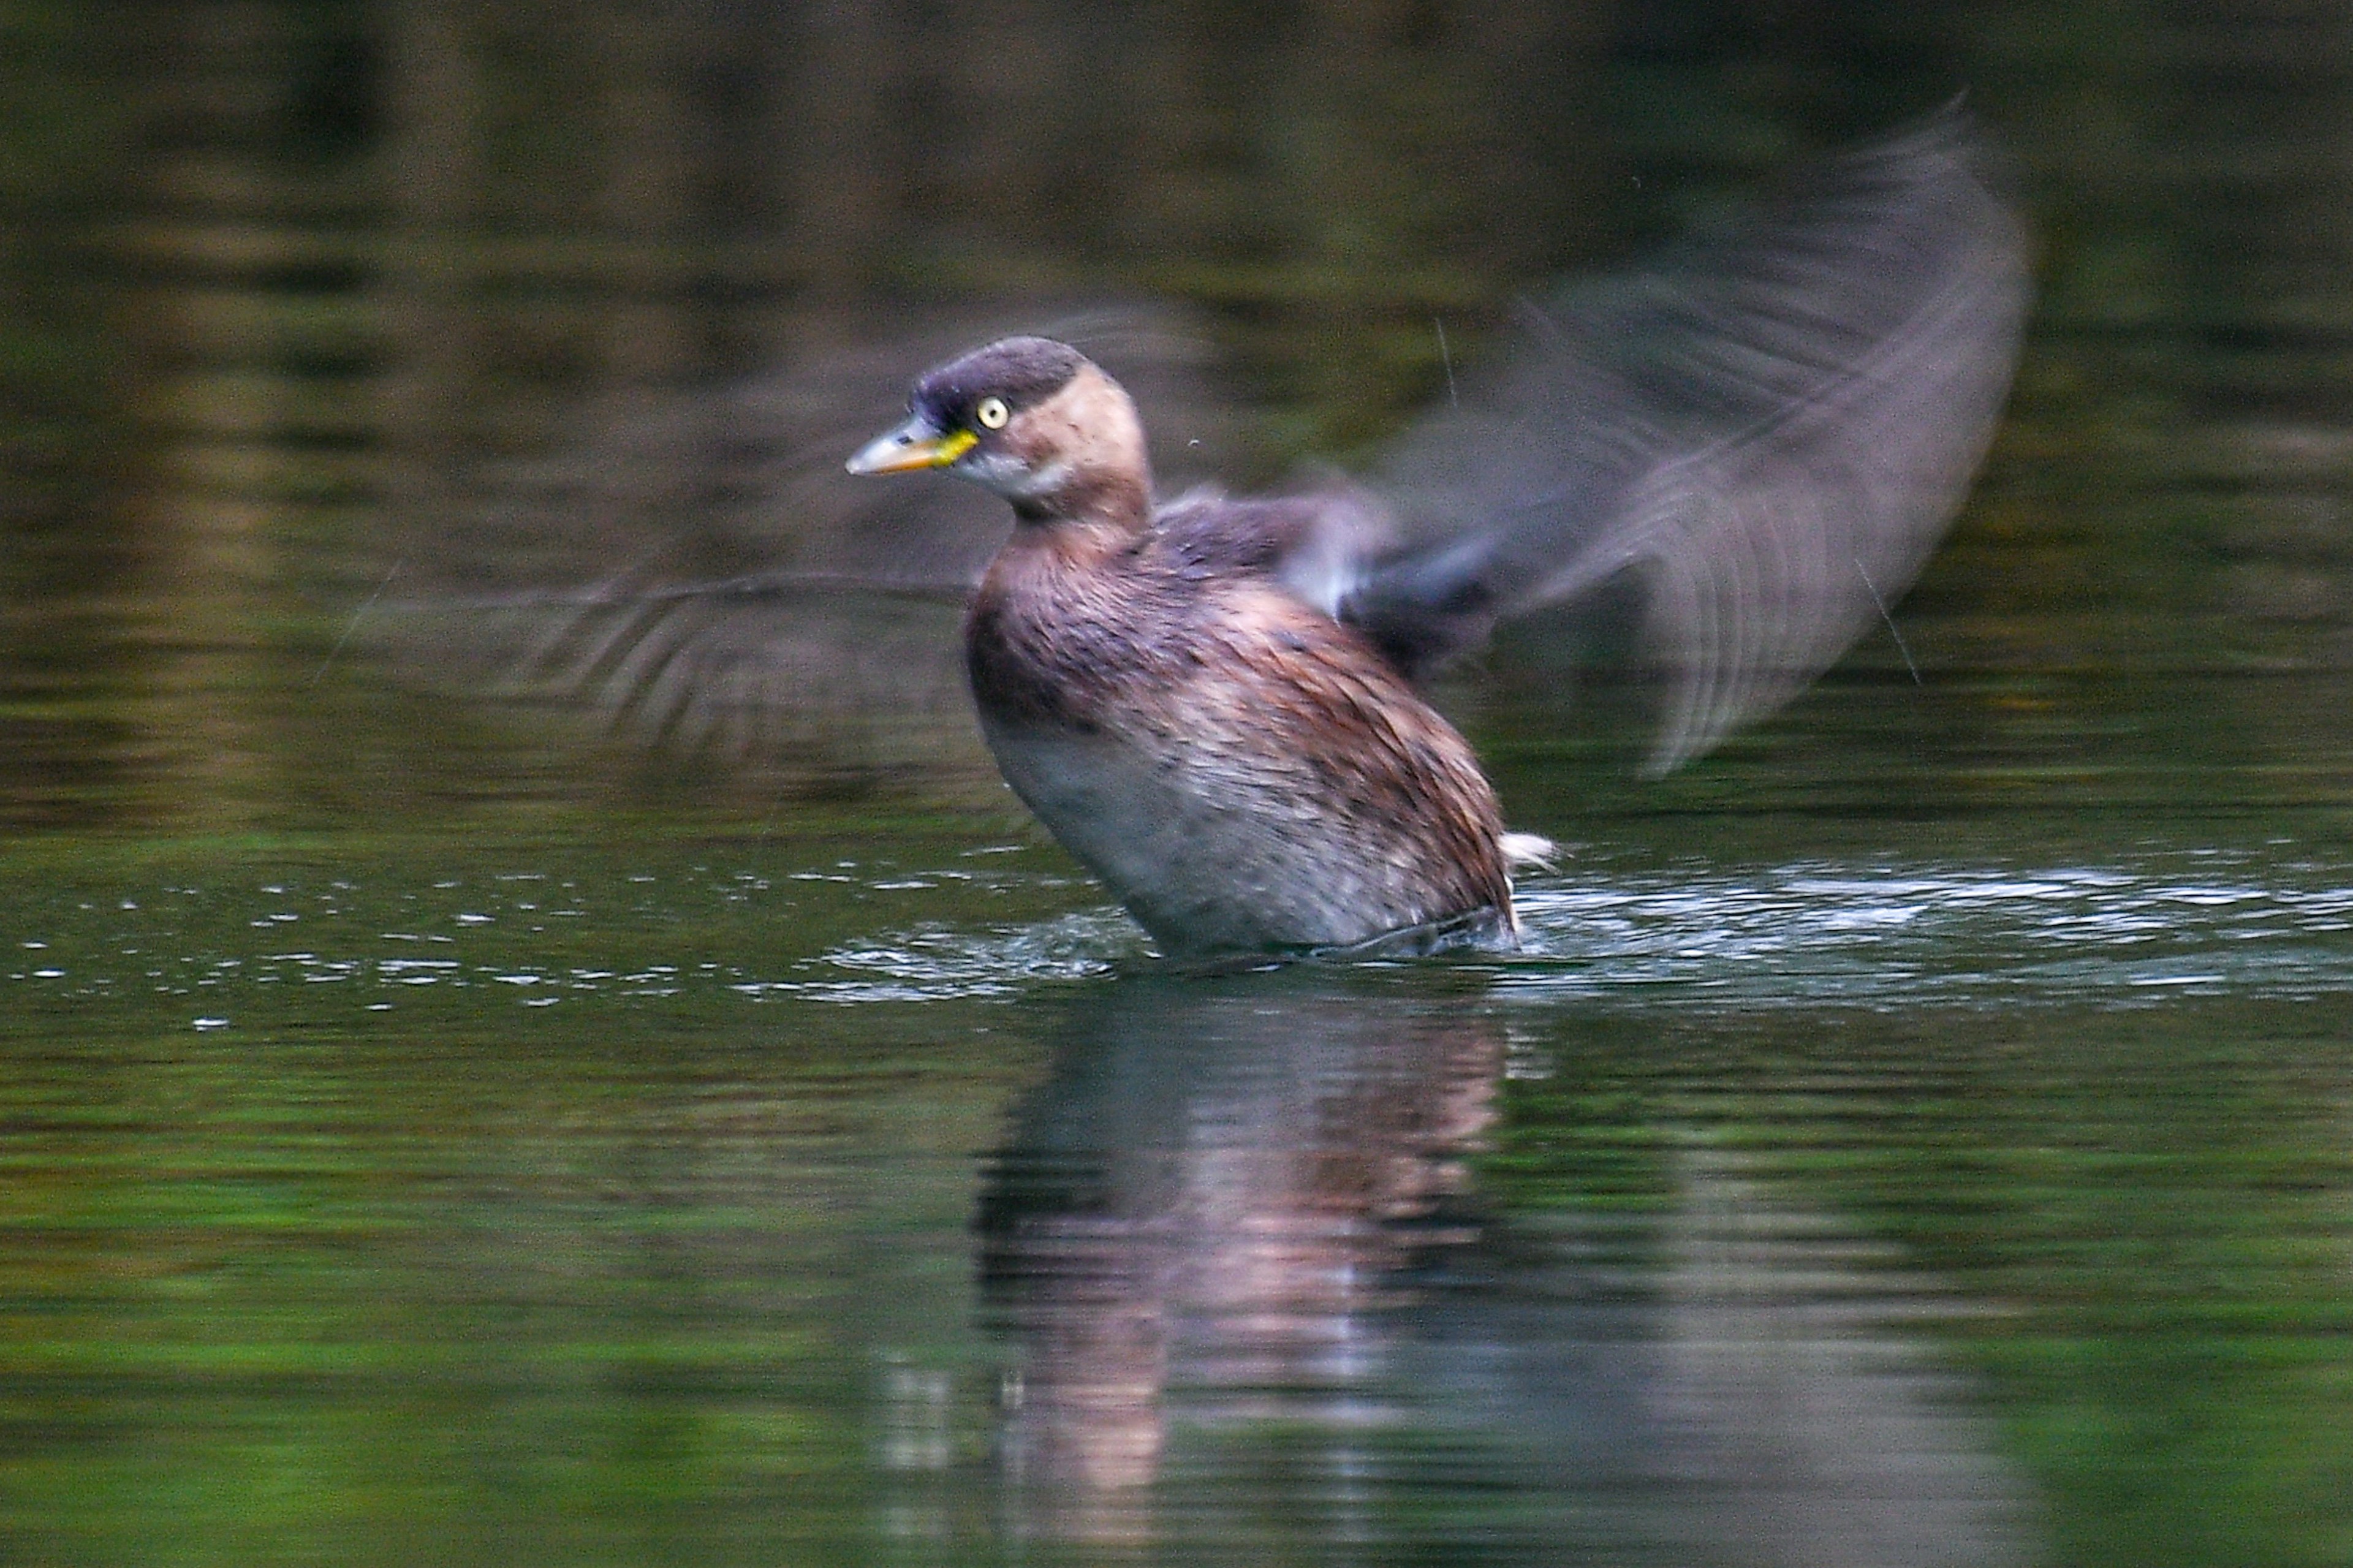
(1727, 460)
(1215, 702)
(1244, 770)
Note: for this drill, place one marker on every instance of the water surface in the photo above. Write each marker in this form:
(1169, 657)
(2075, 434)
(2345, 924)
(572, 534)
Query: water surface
(737, 1198)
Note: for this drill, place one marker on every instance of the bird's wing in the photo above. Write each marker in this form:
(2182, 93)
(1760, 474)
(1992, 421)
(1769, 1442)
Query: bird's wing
(696, 567)
(1769, 430)
(823, 674)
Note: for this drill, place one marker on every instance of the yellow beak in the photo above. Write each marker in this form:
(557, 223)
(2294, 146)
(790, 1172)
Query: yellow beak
(917, 444)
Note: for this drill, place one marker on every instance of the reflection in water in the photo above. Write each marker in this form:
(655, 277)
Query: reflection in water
(1824, 1438)
(1213, 1189)
(680, 1266)
(1234, 1243)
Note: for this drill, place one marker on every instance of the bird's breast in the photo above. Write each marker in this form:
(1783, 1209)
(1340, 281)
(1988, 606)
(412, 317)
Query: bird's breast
(1241, 774)
(1034, 671)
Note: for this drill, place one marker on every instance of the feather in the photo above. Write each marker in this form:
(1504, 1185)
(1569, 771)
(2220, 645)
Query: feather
(1766, 430)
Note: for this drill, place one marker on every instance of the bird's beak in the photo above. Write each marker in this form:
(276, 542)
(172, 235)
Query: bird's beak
(917, 444)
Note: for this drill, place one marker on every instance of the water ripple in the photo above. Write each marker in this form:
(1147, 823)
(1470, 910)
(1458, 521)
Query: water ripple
(1804, 933)
(1808, 934)
(936, 963)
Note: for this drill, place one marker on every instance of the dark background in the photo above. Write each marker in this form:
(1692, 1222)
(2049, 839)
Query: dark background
(280, 284)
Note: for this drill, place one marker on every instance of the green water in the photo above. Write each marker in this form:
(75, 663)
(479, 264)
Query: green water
(1829, 1186)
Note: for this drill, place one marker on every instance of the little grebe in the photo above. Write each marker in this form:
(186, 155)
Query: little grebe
(1242, 770)
(1209, 702)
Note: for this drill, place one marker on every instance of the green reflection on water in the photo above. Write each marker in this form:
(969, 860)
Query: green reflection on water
(465, 1277)
(682, 1266)
(2140, 1215)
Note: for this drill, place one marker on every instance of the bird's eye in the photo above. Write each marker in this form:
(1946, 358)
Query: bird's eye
(991, 413)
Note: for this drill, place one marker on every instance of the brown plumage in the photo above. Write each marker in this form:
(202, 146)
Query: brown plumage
(1244, 772)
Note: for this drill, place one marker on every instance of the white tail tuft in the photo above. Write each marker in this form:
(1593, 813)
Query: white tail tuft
(1529, 851)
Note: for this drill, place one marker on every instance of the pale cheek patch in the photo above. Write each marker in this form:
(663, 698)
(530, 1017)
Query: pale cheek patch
(1014, 475)
(1040, 481)
(1004, 473)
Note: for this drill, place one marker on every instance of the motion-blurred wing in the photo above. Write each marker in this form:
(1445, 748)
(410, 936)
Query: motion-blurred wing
(694, 565)
(1770, 430)
(820, 672)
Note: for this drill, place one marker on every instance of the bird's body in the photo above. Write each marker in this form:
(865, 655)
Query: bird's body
(1242, 771)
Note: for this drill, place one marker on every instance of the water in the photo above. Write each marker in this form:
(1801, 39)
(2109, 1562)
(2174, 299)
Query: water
(437, 1125)
(797, 1197)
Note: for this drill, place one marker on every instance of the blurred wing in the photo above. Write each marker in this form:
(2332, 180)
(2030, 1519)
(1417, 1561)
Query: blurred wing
(802, 667)
(745, 596)
(1770, 430)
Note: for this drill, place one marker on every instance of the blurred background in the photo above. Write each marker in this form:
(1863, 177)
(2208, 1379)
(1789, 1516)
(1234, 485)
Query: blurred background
(448, 1115)
(323, 304)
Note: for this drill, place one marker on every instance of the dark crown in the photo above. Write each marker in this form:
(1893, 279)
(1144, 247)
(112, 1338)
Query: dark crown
(1018, 370)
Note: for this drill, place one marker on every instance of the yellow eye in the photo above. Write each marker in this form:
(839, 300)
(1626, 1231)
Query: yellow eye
(991, 413)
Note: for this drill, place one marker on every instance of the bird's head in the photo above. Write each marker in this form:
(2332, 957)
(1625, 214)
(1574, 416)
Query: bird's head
(1034, 420)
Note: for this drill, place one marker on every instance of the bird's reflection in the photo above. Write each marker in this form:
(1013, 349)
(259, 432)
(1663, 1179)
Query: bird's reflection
(1244, 1275)
(1217, 1188)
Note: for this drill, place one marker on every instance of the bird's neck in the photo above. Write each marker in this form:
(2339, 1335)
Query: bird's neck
(1052, 555)
(1052, 547)
(1111, 507)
